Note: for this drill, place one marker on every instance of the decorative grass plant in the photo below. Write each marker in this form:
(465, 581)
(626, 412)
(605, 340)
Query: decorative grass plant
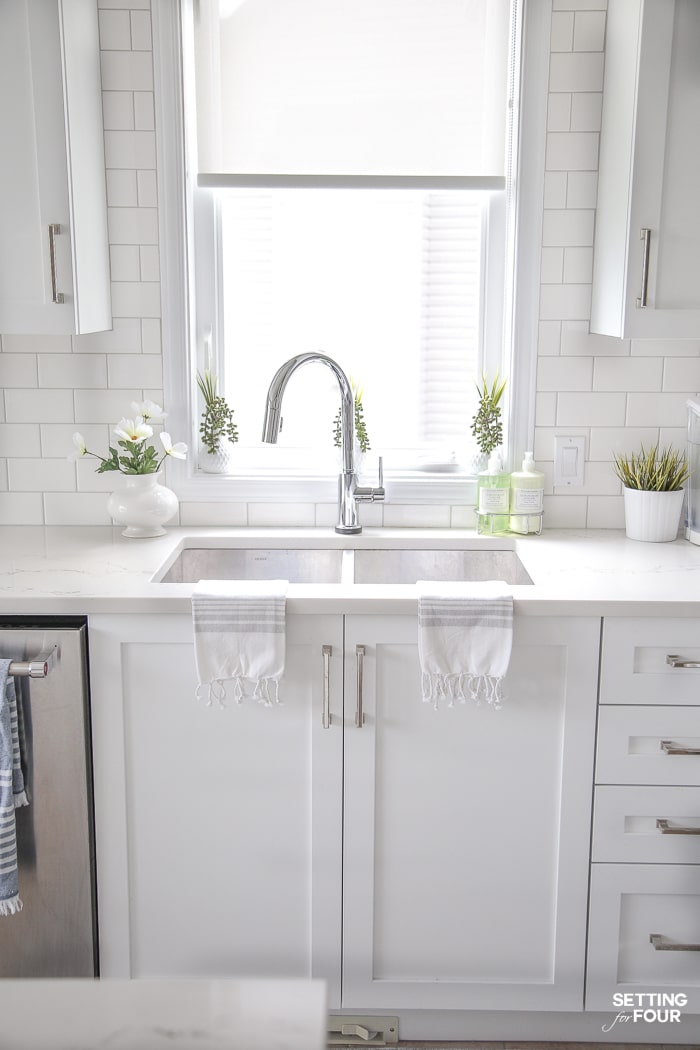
(653, 469)
(217, 423)
(487, 426)
(361, 435)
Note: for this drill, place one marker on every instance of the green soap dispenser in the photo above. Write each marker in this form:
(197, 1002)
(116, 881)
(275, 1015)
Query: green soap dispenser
(493, 497)
(526, 498)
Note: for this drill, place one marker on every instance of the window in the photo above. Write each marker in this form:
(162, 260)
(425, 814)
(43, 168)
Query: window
(423, 269)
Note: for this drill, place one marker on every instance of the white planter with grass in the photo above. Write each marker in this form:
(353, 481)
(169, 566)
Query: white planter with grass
(653, 516)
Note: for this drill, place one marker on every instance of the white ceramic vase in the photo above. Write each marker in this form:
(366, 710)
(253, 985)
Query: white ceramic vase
(218, 462)
(143, 505)
(653, 516)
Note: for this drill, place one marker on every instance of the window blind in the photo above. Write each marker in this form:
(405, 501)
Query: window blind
(351, 90)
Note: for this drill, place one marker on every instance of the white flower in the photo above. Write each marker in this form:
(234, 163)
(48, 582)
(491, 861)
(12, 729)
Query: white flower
(178, 450)
(148, 410)
(133, 430)
(80, 448)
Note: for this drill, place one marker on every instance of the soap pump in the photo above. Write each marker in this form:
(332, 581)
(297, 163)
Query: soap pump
(526, 498)
(492, 501)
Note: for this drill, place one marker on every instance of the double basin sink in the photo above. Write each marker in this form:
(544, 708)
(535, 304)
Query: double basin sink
(327, 565)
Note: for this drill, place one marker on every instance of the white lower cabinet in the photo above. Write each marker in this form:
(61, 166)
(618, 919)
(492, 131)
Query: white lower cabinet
(439, 858)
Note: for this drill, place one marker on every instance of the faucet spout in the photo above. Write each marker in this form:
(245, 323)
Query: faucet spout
(349, 493)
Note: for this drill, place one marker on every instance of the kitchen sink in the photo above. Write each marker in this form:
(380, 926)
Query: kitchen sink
(409, 566)
(330, 565)
(298, 565)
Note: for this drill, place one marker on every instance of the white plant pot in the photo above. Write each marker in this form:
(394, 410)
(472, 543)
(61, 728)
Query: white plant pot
(143, 505)
(653, 516)
(218, 462)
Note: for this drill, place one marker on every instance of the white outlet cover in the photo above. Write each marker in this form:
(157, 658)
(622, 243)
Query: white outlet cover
(569, 458)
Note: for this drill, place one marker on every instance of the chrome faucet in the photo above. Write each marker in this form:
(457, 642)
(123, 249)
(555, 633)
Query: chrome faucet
(349, 492)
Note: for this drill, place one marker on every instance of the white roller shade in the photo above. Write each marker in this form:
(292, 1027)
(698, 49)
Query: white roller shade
(351, 88)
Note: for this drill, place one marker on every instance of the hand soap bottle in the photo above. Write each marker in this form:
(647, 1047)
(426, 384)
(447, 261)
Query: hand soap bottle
(526, 498)
(492, 499)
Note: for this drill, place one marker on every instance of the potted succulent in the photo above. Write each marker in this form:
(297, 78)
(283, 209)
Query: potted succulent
(653, 482)
(218, 432)
(361, 436)
(487, 426)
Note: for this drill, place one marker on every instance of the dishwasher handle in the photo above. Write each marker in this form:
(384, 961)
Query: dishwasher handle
(39, 667)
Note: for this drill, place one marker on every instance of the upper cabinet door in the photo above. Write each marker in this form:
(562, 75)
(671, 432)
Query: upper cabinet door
(646, 281)
(54, 254)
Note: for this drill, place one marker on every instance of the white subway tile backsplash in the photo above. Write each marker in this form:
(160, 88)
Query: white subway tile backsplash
(586, 111)
(132, 225)
(123, 338)
(582, 189)
(72, 370)
(675, 436)
(144, 118)
(578, 265)
(562, 373)
(576, 340)
(463, 516)
(17, 370)
(566, 150)
(130, 149)
(606, 512)
(565, 301)
(104, 406)
(552, 265)
(36, 344)
(559, 115)
(141, 31)
(282, 515)
(149, 262)
(76, 508)
(121, 188)
(147, 189)
(41, 475)
(608, 441)
(234, 515)
(626, 373)
(21, 508)
(562, 33)
(57, 439)
(549, 338)
(135, 370)
(126, 4)
(136, 299)
(573, 227)
(88, 480)
(150, 335)
(115, 30)
(591, 409)
(555, 189)
(565, 512)
(681, 373)
(20, 439)
(665, 347)
(3, 477)
(125, 264)
(661, 410)
(546, 408)
(38, 406)
(399, 516)
(589, 30)
(118, 110)
(126, 71)
(576, 71)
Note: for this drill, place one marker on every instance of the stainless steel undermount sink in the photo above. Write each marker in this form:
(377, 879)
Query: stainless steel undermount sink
(350, 566)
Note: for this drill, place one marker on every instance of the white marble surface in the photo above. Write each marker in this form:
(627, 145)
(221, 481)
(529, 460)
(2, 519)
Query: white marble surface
(85, 570)
(154, 1014)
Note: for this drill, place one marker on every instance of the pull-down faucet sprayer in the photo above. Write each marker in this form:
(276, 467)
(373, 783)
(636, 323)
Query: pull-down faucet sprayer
(349, 492)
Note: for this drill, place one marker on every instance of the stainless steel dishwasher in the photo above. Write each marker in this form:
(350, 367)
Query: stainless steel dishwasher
(55, 934)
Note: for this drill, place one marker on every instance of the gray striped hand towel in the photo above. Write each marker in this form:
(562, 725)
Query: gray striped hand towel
(465, 636)
(12, 792)
(239, 636)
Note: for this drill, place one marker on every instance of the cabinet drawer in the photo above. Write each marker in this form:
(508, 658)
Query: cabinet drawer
(630, 904)
(652, 825)
(634, 668)
(643, 745)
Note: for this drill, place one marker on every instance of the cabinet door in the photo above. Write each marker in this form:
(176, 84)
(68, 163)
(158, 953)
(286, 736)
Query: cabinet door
(54, 262)
(647, 284)
(218, 831)
(467, 828)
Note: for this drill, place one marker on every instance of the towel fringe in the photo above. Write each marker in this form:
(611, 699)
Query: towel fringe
(265, 691)
(21, 799)
(462, 687)
(11, 906)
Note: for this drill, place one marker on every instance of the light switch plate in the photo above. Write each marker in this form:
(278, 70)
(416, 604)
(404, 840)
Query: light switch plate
(569, 457)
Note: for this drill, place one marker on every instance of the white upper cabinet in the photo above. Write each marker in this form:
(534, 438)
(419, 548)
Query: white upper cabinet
(646, 281)
(54, 254)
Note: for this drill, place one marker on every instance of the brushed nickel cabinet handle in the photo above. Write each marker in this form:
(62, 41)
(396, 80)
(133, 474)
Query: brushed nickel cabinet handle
(676, 661)
(326, 717)
(666, 828)
(645, 236)
(670, 748)
(39, 667)
(54, 231)
(359, 713)
(662, 945)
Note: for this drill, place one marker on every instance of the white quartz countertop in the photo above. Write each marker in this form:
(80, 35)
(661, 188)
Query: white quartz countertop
(87, 570)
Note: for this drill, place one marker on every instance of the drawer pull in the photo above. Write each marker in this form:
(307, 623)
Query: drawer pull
(360, 657)
(326, 718)
(675, 661)
(672, 749)
(667, 828)
(662, 945)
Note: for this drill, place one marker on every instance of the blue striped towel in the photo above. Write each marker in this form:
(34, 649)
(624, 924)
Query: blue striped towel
(239, 636)
(465, 636)
(12, 792)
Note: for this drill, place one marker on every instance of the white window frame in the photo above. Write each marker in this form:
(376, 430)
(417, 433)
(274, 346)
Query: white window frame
(519, 365)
